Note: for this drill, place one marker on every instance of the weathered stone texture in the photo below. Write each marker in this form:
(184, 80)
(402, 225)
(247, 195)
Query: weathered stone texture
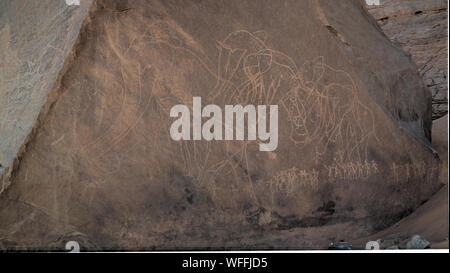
(420, 28)
(35, 39)
(354, 150)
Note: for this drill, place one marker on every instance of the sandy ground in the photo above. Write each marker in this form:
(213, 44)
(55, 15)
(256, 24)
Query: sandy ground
(429, 221)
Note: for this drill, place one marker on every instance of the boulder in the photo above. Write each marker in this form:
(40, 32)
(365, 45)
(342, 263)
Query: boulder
(100, 166)
(417, 242)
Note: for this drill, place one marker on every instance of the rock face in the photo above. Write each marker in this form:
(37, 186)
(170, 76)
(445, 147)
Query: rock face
(420, 28)
(35, 39)
(354, 127)
(440, 143)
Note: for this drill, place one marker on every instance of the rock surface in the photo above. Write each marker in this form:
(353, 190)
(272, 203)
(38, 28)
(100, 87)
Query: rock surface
(353, 157)
(420, 28)
(440, 143)
(35, 40)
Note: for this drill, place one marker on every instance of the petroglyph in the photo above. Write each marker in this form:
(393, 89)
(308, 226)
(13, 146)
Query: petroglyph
(290, 180)
(324, 109)
(408, 171)
(320, 103)
(349, 171)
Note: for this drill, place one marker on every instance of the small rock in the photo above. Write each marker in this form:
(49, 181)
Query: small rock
(417, 242)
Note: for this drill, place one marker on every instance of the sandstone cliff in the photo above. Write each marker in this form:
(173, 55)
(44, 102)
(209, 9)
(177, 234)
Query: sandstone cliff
(420, 28)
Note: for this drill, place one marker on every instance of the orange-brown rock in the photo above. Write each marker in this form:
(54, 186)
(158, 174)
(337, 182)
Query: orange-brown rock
(353, 156)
